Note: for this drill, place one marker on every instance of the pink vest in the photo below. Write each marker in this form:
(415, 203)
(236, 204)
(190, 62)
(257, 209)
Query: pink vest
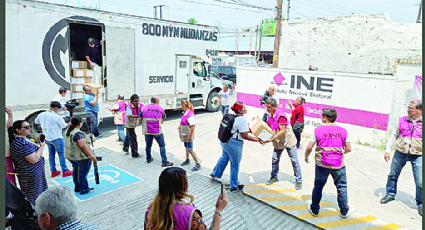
(330, 140)
(152, 116)
(407, 128)
(182, 216)
(185, 117)
(135, 111)
(410, 139)
(121, 108)
(272, 121)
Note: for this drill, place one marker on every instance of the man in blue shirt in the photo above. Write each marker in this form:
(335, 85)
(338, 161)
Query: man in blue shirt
(92, 108)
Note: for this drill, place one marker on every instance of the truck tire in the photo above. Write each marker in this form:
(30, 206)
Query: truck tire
(213, 104)
(35, 129)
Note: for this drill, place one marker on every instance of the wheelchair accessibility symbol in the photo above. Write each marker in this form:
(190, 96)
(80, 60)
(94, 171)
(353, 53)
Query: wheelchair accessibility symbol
(111, 178)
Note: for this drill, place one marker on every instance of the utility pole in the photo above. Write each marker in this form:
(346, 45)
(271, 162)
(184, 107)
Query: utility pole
(287, 13)
(237, 41)
(259, 45)
(256, 39)
(250, 40)
(277, 35)
(418, 20)
(160, 11)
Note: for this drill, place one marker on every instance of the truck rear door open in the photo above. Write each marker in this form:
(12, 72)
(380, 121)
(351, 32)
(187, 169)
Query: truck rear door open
(120, 64)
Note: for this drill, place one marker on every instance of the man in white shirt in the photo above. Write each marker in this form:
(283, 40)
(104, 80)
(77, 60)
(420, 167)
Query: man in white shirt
(61, 97)
(223, 98)
(52, 125)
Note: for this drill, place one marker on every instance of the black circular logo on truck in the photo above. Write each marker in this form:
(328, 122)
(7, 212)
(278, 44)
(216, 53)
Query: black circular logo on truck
(54, 43)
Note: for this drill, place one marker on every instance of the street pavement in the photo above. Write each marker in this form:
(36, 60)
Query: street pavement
(122, 206)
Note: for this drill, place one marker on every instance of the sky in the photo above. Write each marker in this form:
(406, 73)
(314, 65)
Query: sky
(231, 14)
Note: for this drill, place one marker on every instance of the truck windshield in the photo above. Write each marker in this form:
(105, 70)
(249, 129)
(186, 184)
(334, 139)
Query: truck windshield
(199, 69)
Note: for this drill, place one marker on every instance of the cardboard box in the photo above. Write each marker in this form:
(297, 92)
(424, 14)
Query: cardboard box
(94, 87)
(82, 73)
(78, 80)
(77, 96)
(260, 129)
(78, 65)
(77, 88)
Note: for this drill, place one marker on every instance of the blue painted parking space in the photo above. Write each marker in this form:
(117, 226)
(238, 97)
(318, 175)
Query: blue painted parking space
(111, 178)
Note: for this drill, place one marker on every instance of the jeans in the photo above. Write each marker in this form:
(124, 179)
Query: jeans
(121, 132)
(340, 181)
(160, 140)
(79, 176)
(224, 110)
(131, 140)
(188, 145)
(397, 164)
(292, 153)
(232, 150)
(54, 146)
(298, 136)
(265, 117)
(93, 122)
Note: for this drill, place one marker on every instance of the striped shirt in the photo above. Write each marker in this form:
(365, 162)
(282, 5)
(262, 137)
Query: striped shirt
(32, 177)
(76, 224)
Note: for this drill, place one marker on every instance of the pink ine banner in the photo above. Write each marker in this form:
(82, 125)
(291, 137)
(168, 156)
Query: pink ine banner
(345, 115)
(417, 89)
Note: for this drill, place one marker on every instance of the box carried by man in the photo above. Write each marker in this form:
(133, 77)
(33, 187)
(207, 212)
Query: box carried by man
(260, 129)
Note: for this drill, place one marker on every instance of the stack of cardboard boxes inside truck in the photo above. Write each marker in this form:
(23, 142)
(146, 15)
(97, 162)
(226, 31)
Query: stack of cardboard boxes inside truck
(81, 75)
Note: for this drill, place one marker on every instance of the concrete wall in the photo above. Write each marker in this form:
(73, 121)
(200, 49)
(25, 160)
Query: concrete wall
(363, 43)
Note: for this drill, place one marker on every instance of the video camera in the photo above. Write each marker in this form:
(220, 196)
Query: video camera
(70, 105)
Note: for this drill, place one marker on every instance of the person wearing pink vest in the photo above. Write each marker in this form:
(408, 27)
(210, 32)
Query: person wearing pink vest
(186, 133)
(172, 207)
(332, 144)
(132, 112)
(408, 143)
(119, 116)
(283, 138)
(152, 116)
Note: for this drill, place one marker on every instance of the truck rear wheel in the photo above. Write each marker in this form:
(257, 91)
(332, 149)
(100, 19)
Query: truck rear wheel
(35, 129)
(213, 104)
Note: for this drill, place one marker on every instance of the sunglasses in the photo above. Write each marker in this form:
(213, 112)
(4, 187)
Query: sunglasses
(410, 108)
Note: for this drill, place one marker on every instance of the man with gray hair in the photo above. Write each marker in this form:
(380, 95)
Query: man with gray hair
(407, 138)
(56, 208)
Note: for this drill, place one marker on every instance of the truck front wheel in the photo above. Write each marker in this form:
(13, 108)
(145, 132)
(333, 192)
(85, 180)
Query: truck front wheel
(213, 104)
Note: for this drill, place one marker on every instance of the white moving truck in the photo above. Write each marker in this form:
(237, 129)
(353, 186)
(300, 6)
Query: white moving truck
(149, 57)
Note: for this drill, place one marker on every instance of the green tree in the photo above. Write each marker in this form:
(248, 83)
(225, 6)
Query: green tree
(192, 20)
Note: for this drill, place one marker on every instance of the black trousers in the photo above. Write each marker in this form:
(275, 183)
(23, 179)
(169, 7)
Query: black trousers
(131, 140)
(298, 136)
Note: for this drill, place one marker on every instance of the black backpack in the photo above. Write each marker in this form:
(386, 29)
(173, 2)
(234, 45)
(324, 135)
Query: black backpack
(226, 125)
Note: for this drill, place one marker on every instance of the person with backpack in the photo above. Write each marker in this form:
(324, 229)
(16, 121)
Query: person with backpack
(233, 129)
(283, 138)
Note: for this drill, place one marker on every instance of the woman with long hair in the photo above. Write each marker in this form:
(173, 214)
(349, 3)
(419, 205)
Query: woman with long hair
(186, 133)
(232, 149)
(28, 160)
(172, 207)
(79, 154)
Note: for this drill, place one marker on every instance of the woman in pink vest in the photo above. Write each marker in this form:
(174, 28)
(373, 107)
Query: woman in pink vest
(172, 207)
(119, 116)
(186, 133)
(332, 144)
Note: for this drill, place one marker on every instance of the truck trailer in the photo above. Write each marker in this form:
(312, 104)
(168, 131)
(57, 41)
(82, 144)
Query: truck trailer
(146, 56)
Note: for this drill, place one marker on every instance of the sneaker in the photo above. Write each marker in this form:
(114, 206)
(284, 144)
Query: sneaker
(309, 209)
(386, 199)
(67, 173)
(420, 210)
(135, 155)
(298, 148)
(125, 149)
(56, 173)
(85, 192)
(186, 162)
(197, 167)
(213, 177)
(167, 164)
(298, 185)
(239, 188)
(272, 180)
(149, 161)
(350, 211)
